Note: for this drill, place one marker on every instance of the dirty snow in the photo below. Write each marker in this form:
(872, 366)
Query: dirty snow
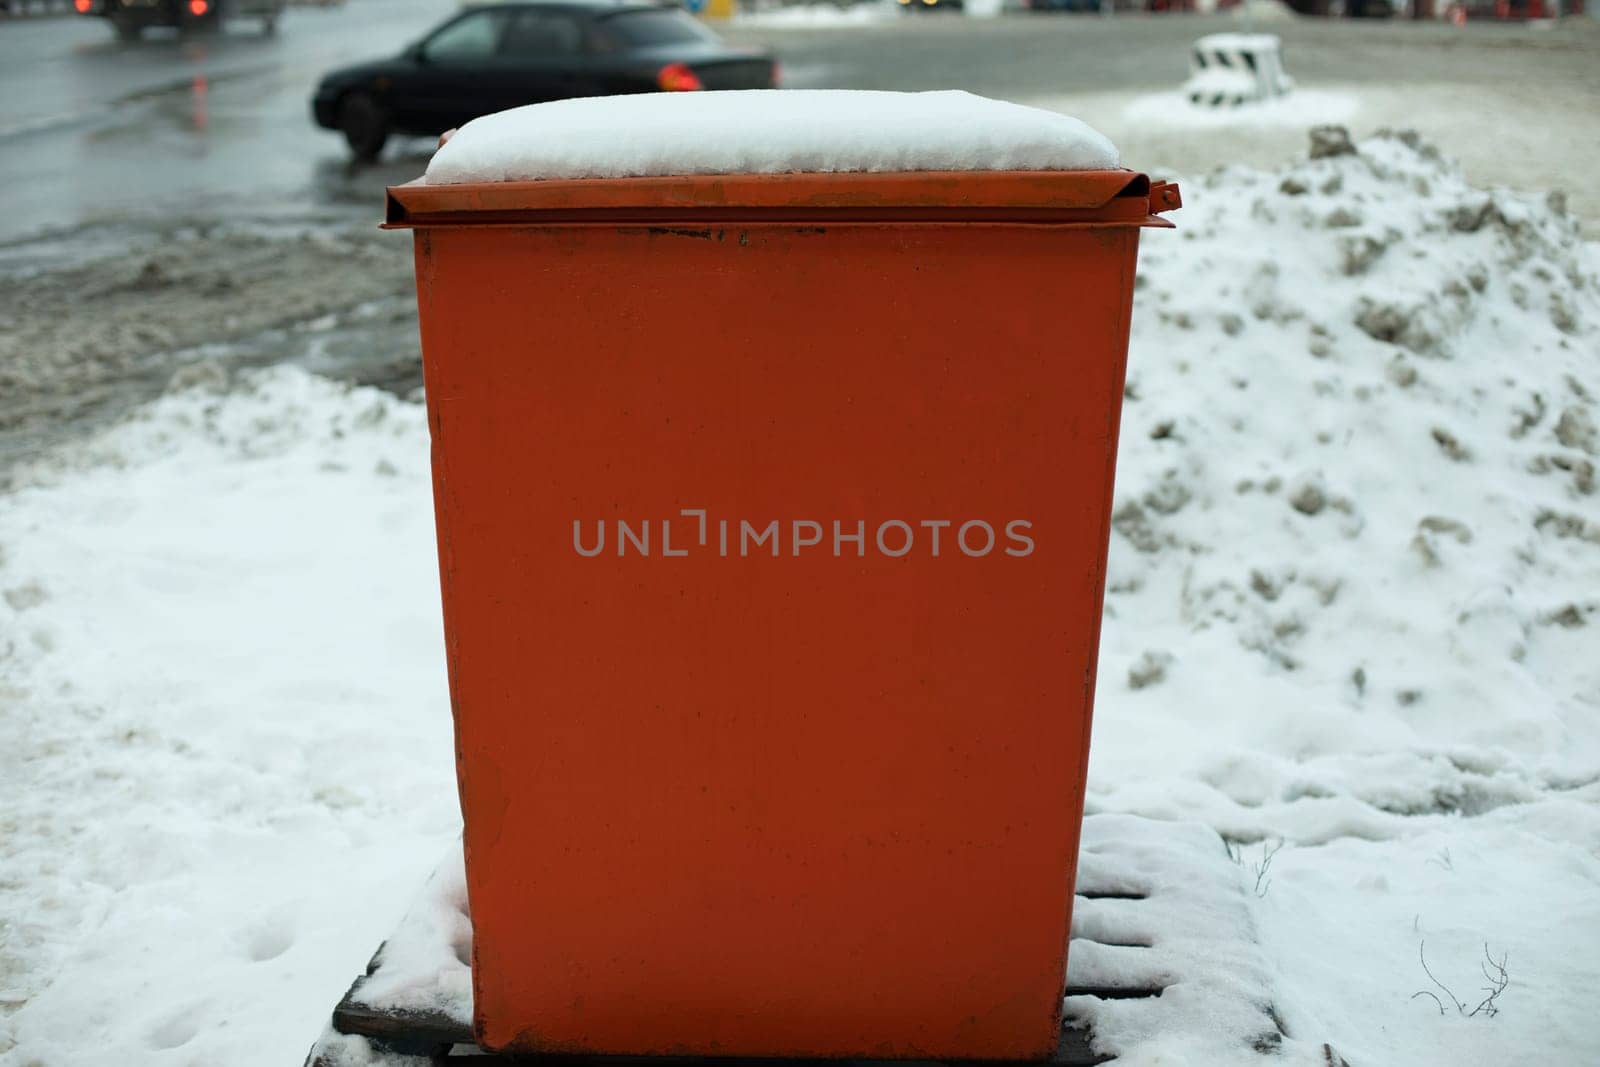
(765, 131)
(99, 326)
(1359, 452)
(1354, 592)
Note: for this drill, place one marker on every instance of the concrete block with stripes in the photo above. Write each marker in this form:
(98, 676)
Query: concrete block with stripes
(1229, 69)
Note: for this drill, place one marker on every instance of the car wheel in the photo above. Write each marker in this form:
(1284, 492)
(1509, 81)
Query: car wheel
(364, 124)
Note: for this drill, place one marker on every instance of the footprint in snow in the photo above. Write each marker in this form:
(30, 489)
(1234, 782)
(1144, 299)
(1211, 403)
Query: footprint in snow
(269, 938)
(177, 1029)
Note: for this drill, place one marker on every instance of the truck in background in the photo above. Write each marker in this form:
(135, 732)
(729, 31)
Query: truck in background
(130, 17)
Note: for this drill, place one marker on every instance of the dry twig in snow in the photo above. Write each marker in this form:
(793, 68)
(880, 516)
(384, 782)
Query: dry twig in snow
(1494, 972)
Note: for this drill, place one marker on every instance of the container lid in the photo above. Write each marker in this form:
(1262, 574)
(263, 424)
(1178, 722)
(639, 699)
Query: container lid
(833, 154)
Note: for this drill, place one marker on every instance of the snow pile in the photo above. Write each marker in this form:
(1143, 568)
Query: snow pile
(1357, 466)
(765, 131)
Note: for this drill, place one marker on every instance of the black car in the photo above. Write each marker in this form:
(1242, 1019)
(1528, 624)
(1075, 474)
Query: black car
(492, 58)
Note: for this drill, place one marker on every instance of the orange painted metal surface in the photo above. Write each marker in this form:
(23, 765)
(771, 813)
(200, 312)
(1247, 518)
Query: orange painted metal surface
(792, 761)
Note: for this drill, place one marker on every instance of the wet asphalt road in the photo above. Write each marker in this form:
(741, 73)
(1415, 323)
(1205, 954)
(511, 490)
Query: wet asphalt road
(93, 129)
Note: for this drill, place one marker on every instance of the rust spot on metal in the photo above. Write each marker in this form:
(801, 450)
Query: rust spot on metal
(673, 231)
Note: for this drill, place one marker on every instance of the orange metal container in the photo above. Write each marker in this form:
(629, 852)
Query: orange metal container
(792, 761)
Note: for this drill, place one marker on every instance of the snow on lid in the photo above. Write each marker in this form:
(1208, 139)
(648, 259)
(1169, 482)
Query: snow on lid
(765, 131)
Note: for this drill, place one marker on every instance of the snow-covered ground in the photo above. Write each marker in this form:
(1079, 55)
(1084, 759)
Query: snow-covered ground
(1354, 600)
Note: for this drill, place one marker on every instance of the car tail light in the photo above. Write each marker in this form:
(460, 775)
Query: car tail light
(777, 74)
(82, 6)
(678, 78)
(199, 7)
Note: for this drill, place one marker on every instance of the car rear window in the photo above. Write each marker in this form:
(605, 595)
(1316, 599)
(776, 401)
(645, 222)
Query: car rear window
(640, 29)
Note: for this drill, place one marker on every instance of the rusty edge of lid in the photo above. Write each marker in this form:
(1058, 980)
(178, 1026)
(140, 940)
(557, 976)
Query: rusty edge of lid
(1085, 197)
